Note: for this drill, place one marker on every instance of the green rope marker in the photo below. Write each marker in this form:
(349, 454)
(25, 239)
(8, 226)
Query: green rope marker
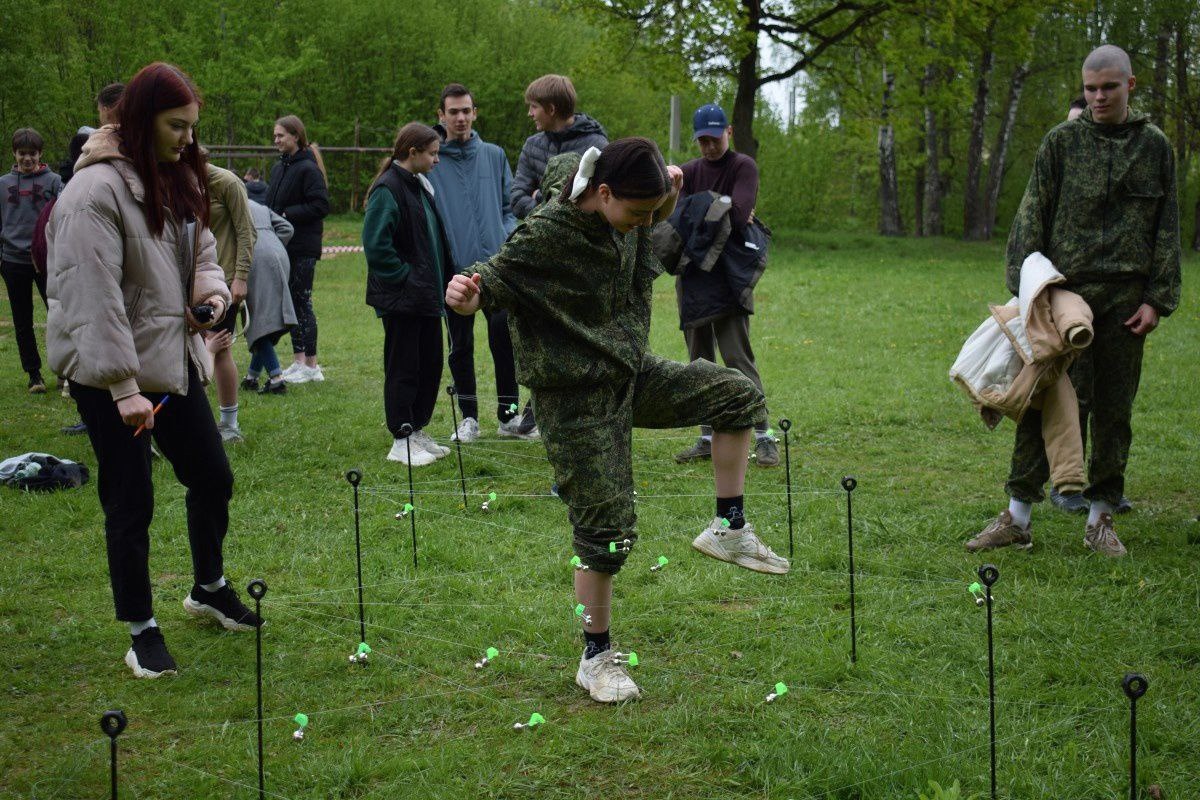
(578, 564)
(491, 498)
(780, 690)
(662, 562)
(535, 719)
(360, 655)
(491, 654)
(408, 509)
(302, 721)
(630, 658)
(580, 612)
(977, 590)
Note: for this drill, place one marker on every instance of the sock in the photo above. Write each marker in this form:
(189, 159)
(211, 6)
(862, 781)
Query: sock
(1021, 512)
(1098, 507)
(595, 643)
(229, 415)
(214, 586)
(136, 628)
(734, 510)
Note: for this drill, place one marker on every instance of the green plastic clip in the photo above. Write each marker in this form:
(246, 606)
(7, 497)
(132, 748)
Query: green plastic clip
(780, 690)
(662, 562)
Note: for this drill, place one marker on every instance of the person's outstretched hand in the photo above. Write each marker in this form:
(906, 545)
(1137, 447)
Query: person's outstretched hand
(1143, 321)
(463, 293)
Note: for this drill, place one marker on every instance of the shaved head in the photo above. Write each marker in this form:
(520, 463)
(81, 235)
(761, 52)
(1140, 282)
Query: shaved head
(1108, 57)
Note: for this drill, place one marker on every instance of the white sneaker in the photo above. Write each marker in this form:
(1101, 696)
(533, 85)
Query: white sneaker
(605, 679)
(297, 373)
(742, 548)
(426, 442)
(468, 431)
(420, 456)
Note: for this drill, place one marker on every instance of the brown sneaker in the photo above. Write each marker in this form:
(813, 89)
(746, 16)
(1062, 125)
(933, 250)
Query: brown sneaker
(1002, 532)
(1102, 538)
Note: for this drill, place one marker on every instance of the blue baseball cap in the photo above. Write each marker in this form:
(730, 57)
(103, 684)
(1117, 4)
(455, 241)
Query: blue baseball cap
(709, 120)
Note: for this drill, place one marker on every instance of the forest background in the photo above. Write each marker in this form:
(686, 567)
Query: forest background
(914, 118)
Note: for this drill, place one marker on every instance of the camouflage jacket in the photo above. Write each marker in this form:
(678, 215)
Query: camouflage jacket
(578, 295)
(1101, 205)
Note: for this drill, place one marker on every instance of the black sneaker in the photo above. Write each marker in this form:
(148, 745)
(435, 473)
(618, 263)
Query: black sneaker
(149, 657)
(222, 605)
(701, 450)
(1072, 502)
(249, 384)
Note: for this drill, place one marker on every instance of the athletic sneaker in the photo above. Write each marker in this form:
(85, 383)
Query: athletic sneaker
(223, 605)
(468, 431)
(1102, 538)
(230, 434)
(513, 429)
(740, 547)
(148, 657)
(700, 451)
(605, 680)
(1072, 502)
(1002, 532)
(424, 440)
(420, 456)
(766, 452)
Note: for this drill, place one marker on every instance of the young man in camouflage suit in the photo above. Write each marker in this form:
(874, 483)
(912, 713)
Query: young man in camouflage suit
(1101, 205)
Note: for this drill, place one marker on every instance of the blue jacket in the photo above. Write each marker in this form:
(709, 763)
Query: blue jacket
(471, 188)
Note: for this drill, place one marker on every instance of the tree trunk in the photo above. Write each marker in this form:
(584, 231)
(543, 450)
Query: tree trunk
(890, 223)
(1000, 150)
(1158, 92)
(933, 175)
(974, 208)
(747, 85)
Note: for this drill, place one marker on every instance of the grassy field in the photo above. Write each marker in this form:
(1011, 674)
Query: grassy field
(854, 335)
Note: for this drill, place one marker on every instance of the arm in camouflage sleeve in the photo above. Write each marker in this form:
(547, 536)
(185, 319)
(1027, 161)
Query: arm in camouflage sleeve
(1032, 222)
(1162, 290)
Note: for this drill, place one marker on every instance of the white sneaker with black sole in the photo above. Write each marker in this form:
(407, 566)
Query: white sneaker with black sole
(605, 678)
(740, 547)
(223, 605)
(148, 656)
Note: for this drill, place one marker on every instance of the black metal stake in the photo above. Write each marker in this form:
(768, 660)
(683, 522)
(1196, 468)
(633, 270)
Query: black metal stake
(257, 589)
(113, 723)
(450, 390)
(406, 431)
(354, 476)
(1135, 685)
(849, 483)
(988, 574)
(785, 425)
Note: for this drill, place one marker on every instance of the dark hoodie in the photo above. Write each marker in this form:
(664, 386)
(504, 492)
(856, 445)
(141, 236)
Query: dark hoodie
(298, 193)
(22, 198)
(1101, 205)
(585, 132)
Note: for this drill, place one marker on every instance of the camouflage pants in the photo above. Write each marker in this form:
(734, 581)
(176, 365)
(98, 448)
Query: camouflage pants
(1105, 377)
(588, 433)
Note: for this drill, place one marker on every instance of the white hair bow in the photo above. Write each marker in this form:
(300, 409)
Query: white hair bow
(587, 168)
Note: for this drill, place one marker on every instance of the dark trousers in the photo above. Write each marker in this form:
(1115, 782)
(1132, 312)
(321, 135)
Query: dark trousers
(730, 335)
(1106, 377)
(300, 285)
(20, 279)
(462, 362)
(187, 436)
(412, 370)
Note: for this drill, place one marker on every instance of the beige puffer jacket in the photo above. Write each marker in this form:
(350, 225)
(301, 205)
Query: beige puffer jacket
(116, 291)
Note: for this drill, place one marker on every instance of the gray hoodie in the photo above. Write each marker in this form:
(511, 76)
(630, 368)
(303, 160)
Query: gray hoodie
(585, 132)
(22, 198)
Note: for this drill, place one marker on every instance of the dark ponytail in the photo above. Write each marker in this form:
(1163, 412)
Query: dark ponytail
(633, 168)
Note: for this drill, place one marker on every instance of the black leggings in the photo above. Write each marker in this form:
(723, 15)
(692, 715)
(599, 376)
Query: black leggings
(300, 284)
(186, 434)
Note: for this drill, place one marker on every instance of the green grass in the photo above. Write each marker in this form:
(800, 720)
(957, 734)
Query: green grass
(854, 336)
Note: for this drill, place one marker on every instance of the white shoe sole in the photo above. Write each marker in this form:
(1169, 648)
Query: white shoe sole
(139, 671)
(703, 544)
(202, 610)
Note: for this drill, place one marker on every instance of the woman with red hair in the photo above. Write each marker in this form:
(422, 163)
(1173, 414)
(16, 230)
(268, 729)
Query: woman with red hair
(132, 278)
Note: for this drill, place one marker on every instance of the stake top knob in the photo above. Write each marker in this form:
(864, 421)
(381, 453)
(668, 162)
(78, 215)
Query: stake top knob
(406, 430)
(989, 574)
(257, 588)
(849, 483)
(450, 390)
(785, 424)
(113, 723)
(354, 476)
(1135, 685)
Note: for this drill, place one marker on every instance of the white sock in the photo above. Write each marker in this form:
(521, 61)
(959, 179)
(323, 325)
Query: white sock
(1021, 512)
(229, 415)
(1098, 507)
(136, 628)
(214, 586)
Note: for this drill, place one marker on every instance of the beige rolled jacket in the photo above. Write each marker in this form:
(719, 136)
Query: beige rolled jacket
(116, 291)
(1017, 359)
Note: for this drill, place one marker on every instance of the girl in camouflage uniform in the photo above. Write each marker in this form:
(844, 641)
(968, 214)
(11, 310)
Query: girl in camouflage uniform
(577, 281)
